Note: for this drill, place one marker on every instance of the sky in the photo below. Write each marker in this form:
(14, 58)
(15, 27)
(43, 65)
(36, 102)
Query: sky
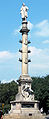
(10, 24)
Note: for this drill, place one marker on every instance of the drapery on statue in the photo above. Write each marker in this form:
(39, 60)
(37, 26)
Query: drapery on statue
(23, 11)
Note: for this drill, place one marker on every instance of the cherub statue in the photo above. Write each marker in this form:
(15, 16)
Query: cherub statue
(23, 11)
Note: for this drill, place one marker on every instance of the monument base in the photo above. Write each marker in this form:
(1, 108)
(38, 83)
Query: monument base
(17, 116)
(24, 107)
(24, 103)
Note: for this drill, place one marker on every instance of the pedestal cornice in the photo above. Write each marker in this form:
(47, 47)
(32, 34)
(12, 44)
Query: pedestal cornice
(25, 78)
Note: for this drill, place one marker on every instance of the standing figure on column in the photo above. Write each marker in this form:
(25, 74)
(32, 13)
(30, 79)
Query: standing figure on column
(23, 12)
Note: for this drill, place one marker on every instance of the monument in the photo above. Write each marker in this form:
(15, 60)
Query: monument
(24, 103)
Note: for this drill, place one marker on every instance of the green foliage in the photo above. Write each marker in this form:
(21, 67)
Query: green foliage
(8, 92)
(40, 87)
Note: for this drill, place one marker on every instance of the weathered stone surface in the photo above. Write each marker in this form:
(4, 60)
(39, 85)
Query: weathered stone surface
(35, 116)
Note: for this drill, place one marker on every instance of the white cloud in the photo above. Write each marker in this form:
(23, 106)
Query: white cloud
(39, 52)
(8, 81)
(42, 24)
(42, 28)
(45, 42)
(6, 55)
(39, 61)
(34, 51)
(39, 66)
(16, 31)
(30, 25)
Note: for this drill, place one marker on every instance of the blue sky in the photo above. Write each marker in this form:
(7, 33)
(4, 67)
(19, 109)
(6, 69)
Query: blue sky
(10, 23)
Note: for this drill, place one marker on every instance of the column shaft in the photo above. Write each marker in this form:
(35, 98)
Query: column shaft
(24, 54)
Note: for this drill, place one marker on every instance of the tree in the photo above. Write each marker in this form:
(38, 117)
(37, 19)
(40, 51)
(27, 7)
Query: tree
(8, 92)
(40, 87)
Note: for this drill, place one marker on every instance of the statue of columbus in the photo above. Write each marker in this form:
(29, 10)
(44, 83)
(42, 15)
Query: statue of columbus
(23, 11)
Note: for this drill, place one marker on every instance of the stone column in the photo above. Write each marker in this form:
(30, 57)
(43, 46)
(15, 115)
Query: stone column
(24, 51)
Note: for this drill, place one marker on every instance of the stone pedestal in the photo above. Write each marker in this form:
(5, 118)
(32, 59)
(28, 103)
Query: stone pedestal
(24, 103)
